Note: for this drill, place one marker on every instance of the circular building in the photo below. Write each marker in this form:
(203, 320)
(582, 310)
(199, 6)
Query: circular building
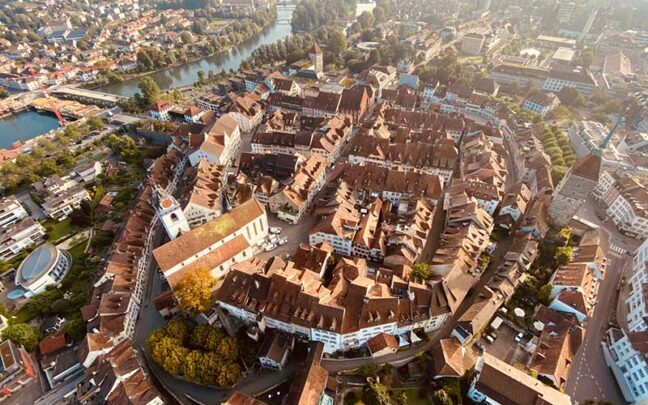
(46, 265)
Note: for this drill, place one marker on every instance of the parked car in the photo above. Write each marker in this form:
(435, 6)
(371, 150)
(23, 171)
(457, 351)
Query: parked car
(481, 347)
(283, 241)
(270, 247)
(275, 229)
(519, 337)
(489, 338)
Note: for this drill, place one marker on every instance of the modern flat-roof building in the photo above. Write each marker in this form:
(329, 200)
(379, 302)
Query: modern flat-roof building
(11, 211)
(47, 265)
(21, 235)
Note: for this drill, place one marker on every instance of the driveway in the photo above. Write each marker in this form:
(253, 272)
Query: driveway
(34, 209)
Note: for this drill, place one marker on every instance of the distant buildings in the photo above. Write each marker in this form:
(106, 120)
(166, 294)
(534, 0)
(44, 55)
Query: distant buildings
(541, 103)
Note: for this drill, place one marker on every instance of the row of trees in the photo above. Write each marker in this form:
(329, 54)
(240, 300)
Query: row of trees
(557, 146)
(199, 353)
(312, 14)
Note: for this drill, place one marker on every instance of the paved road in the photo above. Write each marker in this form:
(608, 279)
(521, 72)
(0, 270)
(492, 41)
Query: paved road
(589, 376)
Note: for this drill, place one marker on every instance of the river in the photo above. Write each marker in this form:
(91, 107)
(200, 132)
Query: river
(29, 124)
(187, 74)
(24, 126)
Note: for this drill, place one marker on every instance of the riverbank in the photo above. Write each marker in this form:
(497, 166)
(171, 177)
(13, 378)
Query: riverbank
(185, 74)
(27, 127)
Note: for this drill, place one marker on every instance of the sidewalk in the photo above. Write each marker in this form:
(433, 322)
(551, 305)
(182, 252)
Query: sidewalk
(622, 307)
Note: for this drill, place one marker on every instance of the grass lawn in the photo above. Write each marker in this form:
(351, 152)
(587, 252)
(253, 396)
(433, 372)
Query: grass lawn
(416, 396)
(59, 229)
(471, 59)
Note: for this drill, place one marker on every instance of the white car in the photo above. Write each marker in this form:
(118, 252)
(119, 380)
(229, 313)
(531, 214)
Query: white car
(518, 337)
(275, 229)
(270, 247)
(283, 241)
(273, 238)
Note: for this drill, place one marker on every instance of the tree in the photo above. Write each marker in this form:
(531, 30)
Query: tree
(366, 20)
(422, 270)
(440, 397)
(377, 392)
(150, 90)
(565, 234)
(586, 58)
(3, 92)
(569, 96)
(95, 124)
(186, 37)
(194, 291)
(564, 255)
(379, 14)
(22, 334)
(544, 294)
(338, 43)
(82, 216)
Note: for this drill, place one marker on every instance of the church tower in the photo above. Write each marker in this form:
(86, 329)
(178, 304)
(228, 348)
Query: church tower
(171, 215)
(316, 57)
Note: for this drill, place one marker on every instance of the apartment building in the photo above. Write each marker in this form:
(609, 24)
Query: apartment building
(625, 200)
(11, 211)
(496, 382)
(291, 202)
(577, 78)
(342, 315)
(203, 192)
(626, 350)
(217, 142)
(627, 356)
(14, 238)
(58, 206)
(557, 345)
(541, 103)
(438, 157)
(369, 231)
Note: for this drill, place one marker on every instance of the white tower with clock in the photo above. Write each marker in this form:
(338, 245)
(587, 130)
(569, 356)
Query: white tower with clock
(171, 215)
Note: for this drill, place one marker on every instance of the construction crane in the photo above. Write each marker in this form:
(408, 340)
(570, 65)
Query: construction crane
(55, 109)
(606, 141)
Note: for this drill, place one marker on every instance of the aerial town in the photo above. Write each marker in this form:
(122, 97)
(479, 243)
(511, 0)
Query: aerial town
(324, 202)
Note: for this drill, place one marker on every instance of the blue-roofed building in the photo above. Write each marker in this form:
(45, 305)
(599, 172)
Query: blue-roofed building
(47, 265)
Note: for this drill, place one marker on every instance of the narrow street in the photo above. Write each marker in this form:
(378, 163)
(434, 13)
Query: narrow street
(589, 376)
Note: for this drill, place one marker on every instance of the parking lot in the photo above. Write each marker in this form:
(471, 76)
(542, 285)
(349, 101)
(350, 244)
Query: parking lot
(505, 347)
(296, 234)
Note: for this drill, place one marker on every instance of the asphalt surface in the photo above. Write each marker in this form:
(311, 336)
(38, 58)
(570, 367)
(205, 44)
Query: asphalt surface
(589, 376)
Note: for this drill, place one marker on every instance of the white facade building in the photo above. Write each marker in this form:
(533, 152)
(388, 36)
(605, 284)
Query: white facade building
(11, 211)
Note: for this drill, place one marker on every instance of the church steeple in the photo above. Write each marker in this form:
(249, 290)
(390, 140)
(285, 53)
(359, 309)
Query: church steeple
(171, 215)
